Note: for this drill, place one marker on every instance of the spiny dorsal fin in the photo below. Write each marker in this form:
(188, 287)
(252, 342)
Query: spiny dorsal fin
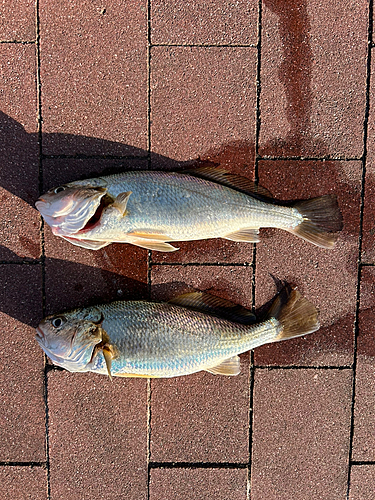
(215, 306)
(234, 181)
(229, 367)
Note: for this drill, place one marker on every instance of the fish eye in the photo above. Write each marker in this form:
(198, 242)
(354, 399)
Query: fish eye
(57, 322)
(59, 189)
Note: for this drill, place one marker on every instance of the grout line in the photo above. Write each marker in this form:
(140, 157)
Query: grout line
(148, 437)
(22, 262)
(23, 464)
(302, 367)
(253, 281)
(309, 158)
(206, 45)
(82, 156)
(359, 272)
(19, 42)
(42, 259)
(197, 465)
(198, 264)
(362, 462)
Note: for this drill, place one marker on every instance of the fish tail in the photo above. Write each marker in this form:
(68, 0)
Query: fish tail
(297, 317)
(322, 220)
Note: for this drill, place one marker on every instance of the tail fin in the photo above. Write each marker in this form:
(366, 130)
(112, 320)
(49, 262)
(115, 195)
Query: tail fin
(297, 317)
(321, 220)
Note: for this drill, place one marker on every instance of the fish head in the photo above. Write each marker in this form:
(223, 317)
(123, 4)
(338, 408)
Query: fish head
(68, 208)
(69, 339)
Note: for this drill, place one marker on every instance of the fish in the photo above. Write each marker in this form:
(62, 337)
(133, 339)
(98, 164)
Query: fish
(152, 209)
(193, 332)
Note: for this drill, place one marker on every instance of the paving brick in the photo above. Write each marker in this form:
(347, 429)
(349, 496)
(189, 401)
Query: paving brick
(94, 76)
(368, 251)
(21, 365)
(77, 277)
(207, 484)
(98, 437)
(301, 434)
(201, 98)
(362, 482)
(364, 414)
(326, 277)
(313, 104)
(19, 221)
(17, 20)
(23, 483)
(201, 417)
(212, 22)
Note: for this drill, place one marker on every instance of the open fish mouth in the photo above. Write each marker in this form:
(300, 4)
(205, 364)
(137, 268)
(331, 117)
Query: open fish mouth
(40, 338)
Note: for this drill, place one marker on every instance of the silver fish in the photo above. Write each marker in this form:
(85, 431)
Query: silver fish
(150, 209)
(168, 339)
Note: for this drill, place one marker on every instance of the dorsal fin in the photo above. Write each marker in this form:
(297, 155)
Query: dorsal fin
(234, 181)
(215, 306)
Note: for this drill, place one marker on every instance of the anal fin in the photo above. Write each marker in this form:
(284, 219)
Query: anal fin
(250, 235)
(229, 367)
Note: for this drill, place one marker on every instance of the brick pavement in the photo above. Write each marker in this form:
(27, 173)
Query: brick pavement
(281, 91)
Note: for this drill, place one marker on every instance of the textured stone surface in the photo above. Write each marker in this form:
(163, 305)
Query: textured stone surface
(94, 72)
(23, 483)
(98, 437)
(368, 246)
(362, 482)
(301, 434)
(313, 104)
(326, 277)
(22, 436)
(208, 484)
(364, 414)
(201, 98)
(19, 221)
(212, 22)
(17, 20)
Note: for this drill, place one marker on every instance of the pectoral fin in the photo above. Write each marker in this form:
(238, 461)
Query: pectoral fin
(121, 202)
(250, 235)
(228, 367)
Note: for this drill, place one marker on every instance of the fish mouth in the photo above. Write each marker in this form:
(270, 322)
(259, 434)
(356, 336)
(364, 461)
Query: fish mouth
(40, 337)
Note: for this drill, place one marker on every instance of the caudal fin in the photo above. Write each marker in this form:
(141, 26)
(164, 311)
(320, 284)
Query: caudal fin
(297, 317)
(322, 220)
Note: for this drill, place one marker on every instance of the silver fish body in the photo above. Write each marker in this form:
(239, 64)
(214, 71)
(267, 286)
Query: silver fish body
(150, 209)
(163, 339)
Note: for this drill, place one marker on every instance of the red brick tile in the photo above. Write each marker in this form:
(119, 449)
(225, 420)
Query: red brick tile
(313, 77)
(19, 221)
(202, 98)
(301, 434)
(94, 76)
(21, 365)
(326, 277)
(364, 414)
(59, 171)
(362, 482)
(22, 483)
(17, 20)
(98, 437)
(212, 22)
(205, 484)
(78, 277)
(368, 251)
(229, 282)
(208, 412)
